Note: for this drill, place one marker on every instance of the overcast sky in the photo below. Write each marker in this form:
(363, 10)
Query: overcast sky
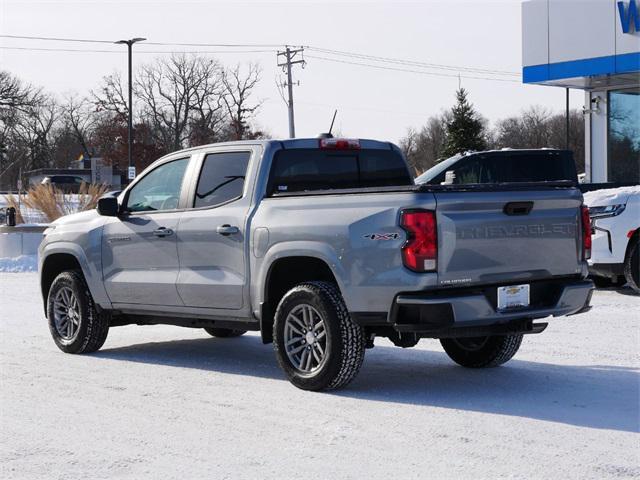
(372, 103)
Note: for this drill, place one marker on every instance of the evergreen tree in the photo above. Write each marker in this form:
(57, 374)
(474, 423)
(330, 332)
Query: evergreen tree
(465, 130)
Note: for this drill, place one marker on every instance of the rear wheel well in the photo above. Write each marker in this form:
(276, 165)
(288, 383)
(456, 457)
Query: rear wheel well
(53, 266)
(632, 239)
(284, 274)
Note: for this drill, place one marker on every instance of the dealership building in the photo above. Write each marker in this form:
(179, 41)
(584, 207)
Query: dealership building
(594, 46)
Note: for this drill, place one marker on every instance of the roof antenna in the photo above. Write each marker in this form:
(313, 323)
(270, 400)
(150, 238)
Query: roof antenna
(333, 120)
(329, 135)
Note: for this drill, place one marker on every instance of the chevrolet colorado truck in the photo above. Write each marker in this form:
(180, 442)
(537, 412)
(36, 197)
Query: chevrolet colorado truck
(321, 245)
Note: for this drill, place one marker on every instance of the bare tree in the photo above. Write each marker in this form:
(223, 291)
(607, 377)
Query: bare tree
(173, 90)
(537, 127)
(14, 94)
(80, 120)
(111, 97)
(424, 148)
(238, 89)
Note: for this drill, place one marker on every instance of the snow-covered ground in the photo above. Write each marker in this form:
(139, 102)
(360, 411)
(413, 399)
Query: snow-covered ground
(23, 263)
(164, 402)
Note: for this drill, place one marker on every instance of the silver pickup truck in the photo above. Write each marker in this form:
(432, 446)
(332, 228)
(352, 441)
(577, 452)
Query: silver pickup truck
(321, 245)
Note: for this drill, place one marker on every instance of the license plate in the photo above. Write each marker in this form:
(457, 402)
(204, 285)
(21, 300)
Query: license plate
(513, 296)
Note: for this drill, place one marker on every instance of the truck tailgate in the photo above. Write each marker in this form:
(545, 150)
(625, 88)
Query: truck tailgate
(508, 236)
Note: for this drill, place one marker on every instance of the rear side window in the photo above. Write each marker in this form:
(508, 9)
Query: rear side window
(299, 170)
(538, 167)
(511, 168)
(221, 179)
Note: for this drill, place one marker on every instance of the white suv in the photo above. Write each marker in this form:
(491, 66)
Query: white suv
(615, 222)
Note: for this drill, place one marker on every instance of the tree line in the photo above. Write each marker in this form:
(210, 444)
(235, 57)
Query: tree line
(180, 101)
(188, 100)
(462, 128)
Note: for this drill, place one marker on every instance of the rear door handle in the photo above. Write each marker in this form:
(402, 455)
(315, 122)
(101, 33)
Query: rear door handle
(227, 229)
(163, 232)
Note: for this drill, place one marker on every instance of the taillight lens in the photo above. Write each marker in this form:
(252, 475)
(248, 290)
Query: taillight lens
(420, 252)
(586, 233)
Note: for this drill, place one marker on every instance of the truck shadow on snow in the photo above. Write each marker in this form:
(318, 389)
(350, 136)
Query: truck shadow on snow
(583, 395)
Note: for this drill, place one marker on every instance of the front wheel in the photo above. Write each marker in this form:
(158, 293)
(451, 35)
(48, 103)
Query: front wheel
(317, 344)
(76, 325)
(482, 352)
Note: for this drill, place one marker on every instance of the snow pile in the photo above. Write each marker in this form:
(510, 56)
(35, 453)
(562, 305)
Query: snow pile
(610, 196)
(23, 263)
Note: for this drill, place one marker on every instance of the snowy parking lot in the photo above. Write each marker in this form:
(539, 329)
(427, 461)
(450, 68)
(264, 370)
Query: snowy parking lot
(165, 402)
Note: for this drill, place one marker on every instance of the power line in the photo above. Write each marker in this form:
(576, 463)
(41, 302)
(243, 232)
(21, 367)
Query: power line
(57, 39)
(412, 62)
(177, 44)
(43, 49)
(421, 72)
(228, 45)
(326, 51)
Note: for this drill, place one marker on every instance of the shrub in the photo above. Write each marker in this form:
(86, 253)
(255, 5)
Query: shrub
(54, 203)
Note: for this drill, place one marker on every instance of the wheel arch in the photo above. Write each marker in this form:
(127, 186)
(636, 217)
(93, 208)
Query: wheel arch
(59, 256)
(634, 237)
(283, 274)
(52, 266)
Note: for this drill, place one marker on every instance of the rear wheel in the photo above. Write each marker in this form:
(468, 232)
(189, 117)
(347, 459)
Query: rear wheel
(317, 344)
(75, 323)
(482, 352)
(631, 267)
(224, 332)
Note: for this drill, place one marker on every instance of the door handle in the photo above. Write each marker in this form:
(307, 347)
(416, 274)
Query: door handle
(163, 232)
(227, 229)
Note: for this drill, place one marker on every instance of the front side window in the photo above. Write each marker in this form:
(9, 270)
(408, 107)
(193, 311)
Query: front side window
(159, 189)
(221, 179)
(624, 136)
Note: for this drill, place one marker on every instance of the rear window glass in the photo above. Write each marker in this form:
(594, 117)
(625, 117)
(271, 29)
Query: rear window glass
(299, 170)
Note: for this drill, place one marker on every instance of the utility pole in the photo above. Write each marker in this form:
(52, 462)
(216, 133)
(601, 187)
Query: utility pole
(129, 44)
(567, 119)
(289, 56)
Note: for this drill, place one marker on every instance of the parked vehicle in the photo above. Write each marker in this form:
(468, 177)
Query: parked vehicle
(66, 183)
(503, 166)
(615, 219)
(321, 245)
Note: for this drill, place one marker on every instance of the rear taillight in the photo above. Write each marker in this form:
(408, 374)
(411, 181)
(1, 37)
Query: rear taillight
(339, 144)
(420, 251)
(586, 233)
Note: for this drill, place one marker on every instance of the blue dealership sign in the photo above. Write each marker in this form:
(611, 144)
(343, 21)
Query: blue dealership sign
(628, 16)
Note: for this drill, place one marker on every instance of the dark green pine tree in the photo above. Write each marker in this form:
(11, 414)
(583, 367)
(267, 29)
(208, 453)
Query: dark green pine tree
(464, 129)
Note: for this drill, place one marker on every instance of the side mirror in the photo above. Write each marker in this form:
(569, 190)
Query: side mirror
(108, 206)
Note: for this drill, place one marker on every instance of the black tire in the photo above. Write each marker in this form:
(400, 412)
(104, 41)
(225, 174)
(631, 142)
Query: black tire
(344, 344)
(482, 352)
(92, 326)
(632, 265)
(224, 332)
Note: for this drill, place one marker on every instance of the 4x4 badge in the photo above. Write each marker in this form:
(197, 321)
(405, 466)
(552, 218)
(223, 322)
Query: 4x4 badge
(381, 236)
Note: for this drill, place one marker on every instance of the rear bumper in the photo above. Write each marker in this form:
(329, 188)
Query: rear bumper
(429, 312)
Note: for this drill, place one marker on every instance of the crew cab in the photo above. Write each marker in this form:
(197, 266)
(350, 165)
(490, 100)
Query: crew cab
(320, 245)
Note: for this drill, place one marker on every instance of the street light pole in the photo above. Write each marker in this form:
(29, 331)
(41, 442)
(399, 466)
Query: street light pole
(129, 44)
